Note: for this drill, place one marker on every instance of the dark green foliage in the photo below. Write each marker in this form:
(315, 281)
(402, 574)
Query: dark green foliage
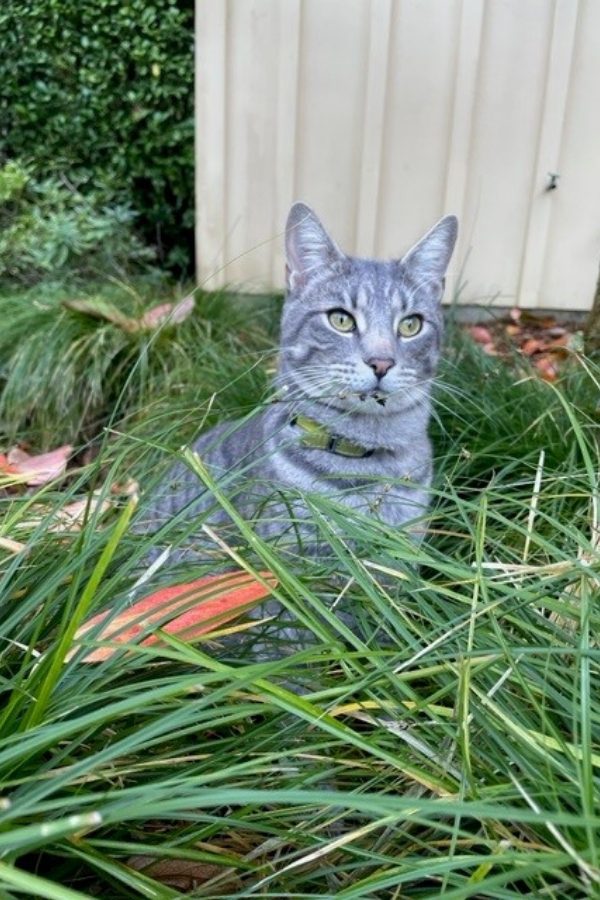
(103, 91)
(49, 227)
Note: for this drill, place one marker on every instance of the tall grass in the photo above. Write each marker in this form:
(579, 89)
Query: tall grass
(429, 726)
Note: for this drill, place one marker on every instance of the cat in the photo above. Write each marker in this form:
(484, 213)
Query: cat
(360, 343)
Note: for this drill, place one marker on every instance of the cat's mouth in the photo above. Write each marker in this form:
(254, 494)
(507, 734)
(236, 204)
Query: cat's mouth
(379, 396)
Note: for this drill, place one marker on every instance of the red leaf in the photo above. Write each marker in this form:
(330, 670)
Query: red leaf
(481, 334)
(36, 470)
(186, 610)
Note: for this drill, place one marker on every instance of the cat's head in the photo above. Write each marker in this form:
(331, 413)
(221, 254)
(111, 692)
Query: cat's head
(361, 335)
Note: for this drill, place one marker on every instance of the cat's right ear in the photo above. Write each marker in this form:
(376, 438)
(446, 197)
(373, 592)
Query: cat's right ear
(307, 245)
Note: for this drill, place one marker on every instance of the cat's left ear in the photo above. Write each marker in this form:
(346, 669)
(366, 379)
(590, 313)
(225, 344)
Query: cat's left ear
(429, 258)
(308, 247)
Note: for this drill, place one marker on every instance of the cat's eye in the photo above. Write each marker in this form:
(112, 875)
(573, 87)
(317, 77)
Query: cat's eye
(341, 320)
(409, 326)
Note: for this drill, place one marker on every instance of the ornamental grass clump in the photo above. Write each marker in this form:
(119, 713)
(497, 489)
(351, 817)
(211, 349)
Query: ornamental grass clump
(435, 732)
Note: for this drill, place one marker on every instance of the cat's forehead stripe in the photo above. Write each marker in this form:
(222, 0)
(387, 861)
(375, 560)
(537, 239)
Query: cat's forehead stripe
(362, 297)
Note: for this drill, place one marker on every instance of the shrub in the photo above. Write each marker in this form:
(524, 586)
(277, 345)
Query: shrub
(48, 226)
(104, 92)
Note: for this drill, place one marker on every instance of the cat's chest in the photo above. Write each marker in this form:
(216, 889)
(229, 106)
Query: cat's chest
(373, 485)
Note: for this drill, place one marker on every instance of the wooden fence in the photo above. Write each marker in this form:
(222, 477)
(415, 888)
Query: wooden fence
(386, 114)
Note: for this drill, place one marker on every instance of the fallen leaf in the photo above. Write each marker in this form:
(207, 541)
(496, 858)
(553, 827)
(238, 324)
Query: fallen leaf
(11, 546)
(490, 349)
(547, 367)
(557, 331)
(186, 610)
(515, 314)
(170, 313)
(513, 330)
(531, 346)
(481, 334)
(183, 874)
(35, 470)
(72, 516)
(97, 308)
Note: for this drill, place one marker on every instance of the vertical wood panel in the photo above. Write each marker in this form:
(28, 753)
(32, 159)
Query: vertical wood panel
(211, 160)
(330, 110)
(417, 121)
(552, 119)
(461, 132)
(515, 42)
(251, 125)
(288, 55)
(573, 247)
(385, 114)
(373, 128)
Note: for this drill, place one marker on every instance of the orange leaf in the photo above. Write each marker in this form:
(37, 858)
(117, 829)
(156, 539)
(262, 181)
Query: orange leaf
(546, 367)
(531, 346)
(187, 610)
(167, 313)
(36, 470)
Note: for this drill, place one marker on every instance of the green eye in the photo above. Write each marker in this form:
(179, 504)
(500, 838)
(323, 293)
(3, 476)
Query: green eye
(341, 320)
(410, 326)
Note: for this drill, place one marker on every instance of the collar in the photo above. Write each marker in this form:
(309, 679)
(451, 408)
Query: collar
(319, 437)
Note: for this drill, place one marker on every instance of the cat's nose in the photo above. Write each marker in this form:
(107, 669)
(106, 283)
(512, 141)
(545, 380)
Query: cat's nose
(381, 366)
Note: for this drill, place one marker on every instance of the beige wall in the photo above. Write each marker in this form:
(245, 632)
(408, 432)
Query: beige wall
(386, 114)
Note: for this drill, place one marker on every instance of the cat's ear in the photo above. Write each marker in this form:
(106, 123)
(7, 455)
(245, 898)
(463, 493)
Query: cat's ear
(307, 245)
(429, 258)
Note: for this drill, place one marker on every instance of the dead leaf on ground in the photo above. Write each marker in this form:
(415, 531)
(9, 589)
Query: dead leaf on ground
(11, 546)
(70, 517)
(187, 610)
(531, 346)
(546, 366)
(164, 313)
(182, 874)
(538, 337)
(480, 333)
(97, 308)
(35, 470)
(170, 313)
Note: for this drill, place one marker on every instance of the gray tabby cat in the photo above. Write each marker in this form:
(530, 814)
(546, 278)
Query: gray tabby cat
(360, 342)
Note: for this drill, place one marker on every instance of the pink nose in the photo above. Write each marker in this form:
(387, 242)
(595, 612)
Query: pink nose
(381, 366)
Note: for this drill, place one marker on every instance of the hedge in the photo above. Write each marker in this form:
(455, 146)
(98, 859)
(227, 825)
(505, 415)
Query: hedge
(102, 93)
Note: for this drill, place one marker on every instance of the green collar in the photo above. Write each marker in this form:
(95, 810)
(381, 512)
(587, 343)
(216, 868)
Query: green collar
(317, 436)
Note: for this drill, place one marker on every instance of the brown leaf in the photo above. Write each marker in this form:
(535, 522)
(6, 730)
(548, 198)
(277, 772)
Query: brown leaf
(512, 330)
(531, 346)
(481, 334)
(547, 367)
(182, 874)
(35, 470)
